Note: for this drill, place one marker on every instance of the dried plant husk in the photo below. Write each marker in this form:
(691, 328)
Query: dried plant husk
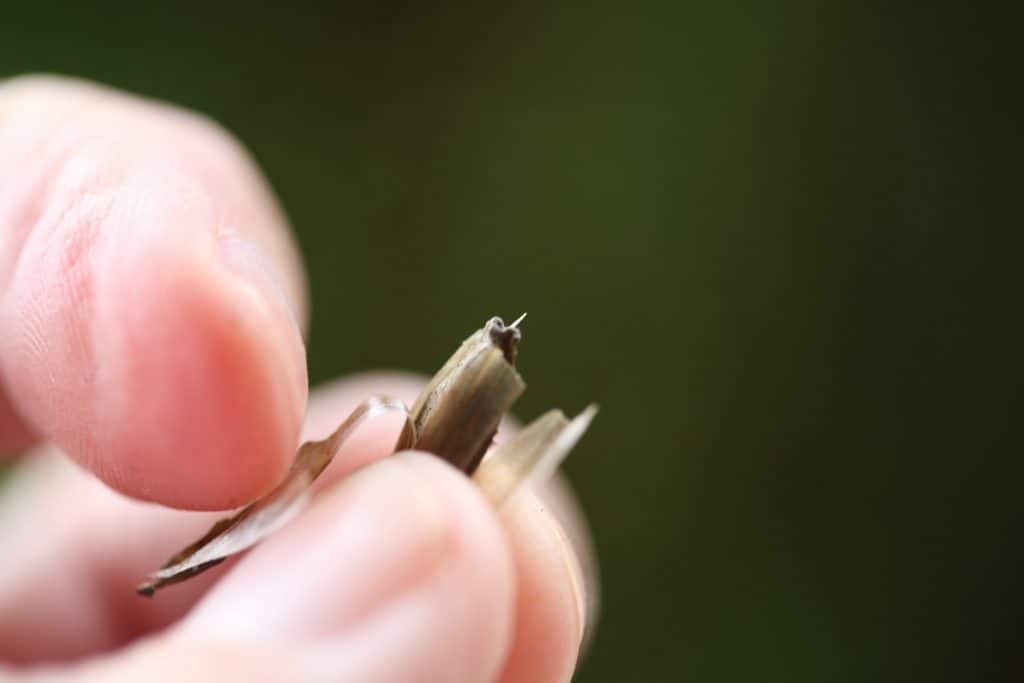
(455, 417)
(457, 414)
(268, 514)
(531, 455)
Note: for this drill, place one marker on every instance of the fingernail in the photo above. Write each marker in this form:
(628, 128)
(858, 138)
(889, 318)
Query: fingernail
(257, 275)
(580, 549)
(578, 585)
(249, 262)
(562, 547)
(365, 543)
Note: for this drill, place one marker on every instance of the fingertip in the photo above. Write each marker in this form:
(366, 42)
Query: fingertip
(200, 381)
(137, 303)
(402, 557)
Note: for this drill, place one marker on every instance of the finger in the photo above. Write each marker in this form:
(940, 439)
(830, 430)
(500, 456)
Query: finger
(149, 293)
(405, 575)
(433, 602)
(75, 549)
(551, 603)
(247, 641)
(557, 592)
(556, 575)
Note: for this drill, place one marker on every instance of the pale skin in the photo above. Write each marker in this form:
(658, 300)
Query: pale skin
(152, 310)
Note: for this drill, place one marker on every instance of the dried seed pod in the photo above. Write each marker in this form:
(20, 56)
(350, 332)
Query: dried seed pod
(457, 415)
(268, 514)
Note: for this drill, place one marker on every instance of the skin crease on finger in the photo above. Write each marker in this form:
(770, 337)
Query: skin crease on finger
(147, 281)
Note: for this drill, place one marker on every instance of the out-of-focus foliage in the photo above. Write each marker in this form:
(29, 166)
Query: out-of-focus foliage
(778, 243)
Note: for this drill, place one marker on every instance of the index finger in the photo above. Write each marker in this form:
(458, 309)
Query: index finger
(150, 297)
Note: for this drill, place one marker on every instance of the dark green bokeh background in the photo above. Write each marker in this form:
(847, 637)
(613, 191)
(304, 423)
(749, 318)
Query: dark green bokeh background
(777, 243)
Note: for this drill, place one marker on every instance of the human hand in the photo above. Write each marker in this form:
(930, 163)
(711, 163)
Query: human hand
(151, 308)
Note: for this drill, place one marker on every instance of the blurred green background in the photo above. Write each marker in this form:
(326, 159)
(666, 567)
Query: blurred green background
(777, 242)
